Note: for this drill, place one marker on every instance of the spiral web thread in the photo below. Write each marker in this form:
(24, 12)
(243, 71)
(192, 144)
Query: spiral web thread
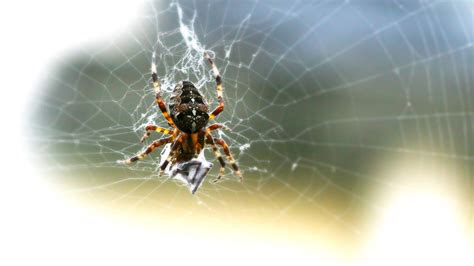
(298, 78)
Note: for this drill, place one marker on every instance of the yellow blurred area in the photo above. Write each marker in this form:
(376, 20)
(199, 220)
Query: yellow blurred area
(419, 224)
(423, 214)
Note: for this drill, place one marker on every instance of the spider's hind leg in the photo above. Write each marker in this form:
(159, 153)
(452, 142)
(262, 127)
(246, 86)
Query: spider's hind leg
(176, 144)
(217, 154)
(230, 158)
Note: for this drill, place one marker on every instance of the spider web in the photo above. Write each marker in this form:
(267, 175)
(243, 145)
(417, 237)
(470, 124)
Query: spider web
(318, 95)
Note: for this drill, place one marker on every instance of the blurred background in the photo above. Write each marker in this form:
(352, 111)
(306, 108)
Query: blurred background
(352, 122)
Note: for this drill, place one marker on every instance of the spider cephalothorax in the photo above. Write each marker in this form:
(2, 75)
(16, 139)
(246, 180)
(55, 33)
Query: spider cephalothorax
(188, 108)
(189, 117)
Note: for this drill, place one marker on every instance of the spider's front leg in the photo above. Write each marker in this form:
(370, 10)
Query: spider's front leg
(157, 88)
(149, 149)
(219, 89)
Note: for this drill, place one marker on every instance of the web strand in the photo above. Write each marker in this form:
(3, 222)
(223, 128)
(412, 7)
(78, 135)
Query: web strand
(315, 93)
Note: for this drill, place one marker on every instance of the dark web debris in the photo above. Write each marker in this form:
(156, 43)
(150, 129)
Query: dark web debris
(192, 173)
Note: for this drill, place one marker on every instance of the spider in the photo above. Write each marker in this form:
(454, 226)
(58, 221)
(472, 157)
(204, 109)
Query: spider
(188, 118)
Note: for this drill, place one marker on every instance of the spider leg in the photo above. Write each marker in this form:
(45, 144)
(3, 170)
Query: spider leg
(174, 147)
(218, 78)
(217, 126)
(150, 128)
(157, 88)
(149, 149)
(217, 154)
(230, 158)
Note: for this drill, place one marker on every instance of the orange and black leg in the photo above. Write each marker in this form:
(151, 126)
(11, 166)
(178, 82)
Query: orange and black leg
(149, 149)
(151, 128)
(217, 126)
(217, 154)
(230, 158)
(176, 144)
(218, 78)
(157, 88)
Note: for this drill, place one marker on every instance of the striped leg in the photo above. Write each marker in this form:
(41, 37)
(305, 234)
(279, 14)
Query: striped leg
(218, 78)
(217, 154)
(157, 88)
(230, 158)
(150, 128)
(149, 149)
(217, 126)
(174, 147)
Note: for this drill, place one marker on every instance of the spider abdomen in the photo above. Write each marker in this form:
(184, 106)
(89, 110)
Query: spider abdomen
(188, 108)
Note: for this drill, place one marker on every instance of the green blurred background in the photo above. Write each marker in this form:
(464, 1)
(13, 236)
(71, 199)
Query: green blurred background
(331, 104)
